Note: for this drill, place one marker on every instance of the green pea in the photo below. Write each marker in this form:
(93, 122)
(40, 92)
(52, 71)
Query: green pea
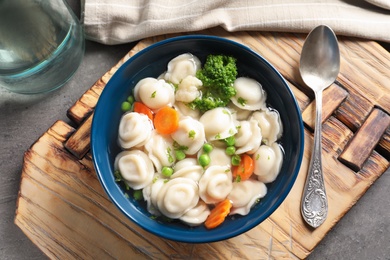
(204, 160)
(126, 106)
(166, 171)
(130, 99)
(236, 159)
(230, 150)
(180, 155)
(230, 141)
(207, 148)
(137, 194)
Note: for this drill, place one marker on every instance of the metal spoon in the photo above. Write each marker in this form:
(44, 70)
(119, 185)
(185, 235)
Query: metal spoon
(319, 67)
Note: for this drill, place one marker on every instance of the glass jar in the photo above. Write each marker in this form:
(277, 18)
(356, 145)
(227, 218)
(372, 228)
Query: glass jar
(41, 45)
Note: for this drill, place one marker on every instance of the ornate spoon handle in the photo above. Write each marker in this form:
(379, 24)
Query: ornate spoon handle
(314, 205)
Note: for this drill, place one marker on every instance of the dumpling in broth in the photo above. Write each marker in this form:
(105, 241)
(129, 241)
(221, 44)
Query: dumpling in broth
(187, 168)
(154, 93)
(135, 167)
(245, 194)
(160, 150)
(134, 130)
(268, 161)
(190, 134)
(184, 110)
(218, 124)
(248, 138)
(215, 184)
(250, 94)
(150, 194)
(197, 215)
(219, 157)
(239, 113)
(177, 196)
(270, 124)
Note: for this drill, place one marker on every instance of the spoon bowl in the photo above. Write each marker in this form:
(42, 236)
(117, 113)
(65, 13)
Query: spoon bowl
(319, 67)
(320, 58)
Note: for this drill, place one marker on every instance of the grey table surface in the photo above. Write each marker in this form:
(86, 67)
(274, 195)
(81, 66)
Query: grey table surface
(363, 233)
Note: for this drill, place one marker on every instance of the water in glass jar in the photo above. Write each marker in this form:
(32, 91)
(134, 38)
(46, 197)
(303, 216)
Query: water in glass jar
(41, 45)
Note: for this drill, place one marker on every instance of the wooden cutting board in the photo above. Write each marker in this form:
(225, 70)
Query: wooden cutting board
(63, 209)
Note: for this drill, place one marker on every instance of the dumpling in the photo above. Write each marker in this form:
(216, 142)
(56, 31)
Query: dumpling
(182, 66)
(238, 113)
(177, 196)
(160, 150)
(154, 93)
(218, 124)
(250, 94)
(248, 137)
(188, 89)
(184, 110)
(141, 84)
(215, 184)
(196, 215)
(270, 125)
(150, 194)
(190, 134)
(187, 168)
(134, 130)
(245, 194)
(219, 157)
(268, 161)
(135, 167)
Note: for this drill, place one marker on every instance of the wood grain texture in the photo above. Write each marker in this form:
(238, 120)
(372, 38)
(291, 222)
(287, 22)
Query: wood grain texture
(365, 140)
(63, 209)
(384, 144)
(332, 98)
(78, 143)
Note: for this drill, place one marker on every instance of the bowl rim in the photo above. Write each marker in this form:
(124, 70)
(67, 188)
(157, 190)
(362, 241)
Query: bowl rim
(186, 236)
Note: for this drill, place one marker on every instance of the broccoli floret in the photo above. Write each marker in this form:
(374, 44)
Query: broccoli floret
(217, 75)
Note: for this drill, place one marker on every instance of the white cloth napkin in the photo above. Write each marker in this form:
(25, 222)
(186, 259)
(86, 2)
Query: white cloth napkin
(121, 21)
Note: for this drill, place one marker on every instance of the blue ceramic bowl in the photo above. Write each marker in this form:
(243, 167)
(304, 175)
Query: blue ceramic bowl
(151, 62)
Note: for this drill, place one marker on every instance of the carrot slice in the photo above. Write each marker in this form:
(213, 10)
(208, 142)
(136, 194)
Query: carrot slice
(166, 120)
(245, 169)
(143, 109)
(218, 214)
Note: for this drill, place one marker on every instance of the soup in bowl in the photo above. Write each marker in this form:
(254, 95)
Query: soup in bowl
(189, 156)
